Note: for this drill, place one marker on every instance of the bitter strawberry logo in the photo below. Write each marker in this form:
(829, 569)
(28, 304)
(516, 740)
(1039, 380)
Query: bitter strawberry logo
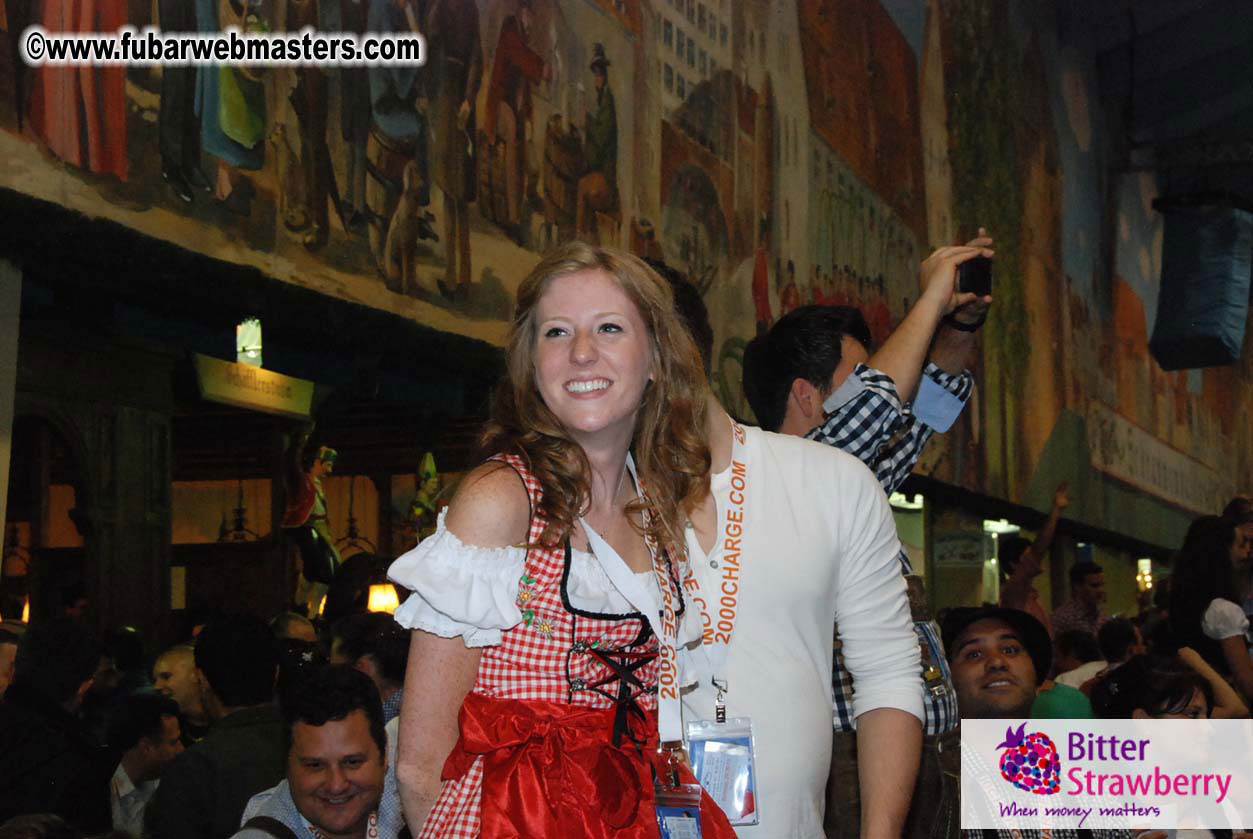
(1030, 762)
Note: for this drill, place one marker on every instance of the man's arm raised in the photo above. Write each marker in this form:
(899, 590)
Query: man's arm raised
(905, 351)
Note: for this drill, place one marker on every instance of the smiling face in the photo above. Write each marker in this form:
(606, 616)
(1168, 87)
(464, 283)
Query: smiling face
(335, 772)
(593, 356)
(174, 675)
(992, 671)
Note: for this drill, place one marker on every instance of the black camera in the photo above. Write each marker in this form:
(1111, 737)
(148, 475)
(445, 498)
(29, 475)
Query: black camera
(975, 276)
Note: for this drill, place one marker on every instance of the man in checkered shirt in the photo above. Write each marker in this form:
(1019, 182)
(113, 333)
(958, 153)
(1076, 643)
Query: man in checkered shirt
(812, 375)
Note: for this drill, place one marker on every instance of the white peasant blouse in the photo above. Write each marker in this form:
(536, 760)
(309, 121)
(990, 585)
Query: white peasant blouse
(470, 591)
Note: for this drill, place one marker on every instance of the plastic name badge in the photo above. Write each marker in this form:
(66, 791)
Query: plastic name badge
(723, 761)
(678, 811)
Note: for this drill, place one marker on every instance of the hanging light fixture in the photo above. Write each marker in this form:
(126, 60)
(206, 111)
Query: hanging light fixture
(353, 538)
(240, 532)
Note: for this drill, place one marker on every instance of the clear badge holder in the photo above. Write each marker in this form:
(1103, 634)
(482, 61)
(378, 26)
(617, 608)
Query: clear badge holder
(722, 755)
(678, 811)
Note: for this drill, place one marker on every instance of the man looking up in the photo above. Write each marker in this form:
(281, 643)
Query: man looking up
(205, 789)
(998, 658)
(338, 784)
(813, 375)
(798, 529)
(174, 675)
(379, 647)
(144, 728)
(1087, 593)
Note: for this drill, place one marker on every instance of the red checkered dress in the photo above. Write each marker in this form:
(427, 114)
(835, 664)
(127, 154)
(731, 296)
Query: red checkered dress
(558, 654)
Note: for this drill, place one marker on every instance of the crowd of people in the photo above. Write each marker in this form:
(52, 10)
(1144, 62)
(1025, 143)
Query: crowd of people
(631, 568)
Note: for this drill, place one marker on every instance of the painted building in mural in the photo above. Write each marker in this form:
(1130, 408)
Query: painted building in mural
(779, 153)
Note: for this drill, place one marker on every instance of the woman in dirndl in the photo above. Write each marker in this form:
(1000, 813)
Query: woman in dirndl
(548, 610)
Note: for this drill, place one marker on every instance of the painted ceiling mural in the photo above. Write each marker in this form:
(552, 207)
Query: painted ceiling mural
(778, 153)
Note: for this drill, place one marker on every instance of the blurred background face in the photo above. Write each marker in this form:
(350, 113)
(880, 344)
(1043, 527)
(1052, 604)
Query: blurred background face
(335, 772)
(1092, 589)
(1242, 547)
(1196, 709)
(174, 675)
(165, 748)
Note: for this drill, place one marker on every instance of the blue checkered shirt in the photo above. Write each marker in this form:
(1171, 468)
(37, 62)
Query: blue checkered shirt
(391, 707)
(877, 429)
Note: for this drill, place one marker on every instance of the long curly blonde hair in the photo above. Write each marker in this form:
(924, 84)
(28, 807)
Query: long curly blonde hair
(670, 443)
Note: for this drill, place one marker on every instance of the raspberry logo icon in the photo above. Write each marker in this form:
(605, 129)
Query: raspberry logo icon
(1029, 761)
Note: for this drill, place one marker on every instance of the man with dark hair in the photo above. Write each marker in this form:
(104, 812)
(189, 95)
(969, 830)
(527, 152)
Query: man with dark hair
(379, 647)
(812, 375)
(1119, 640)
(49, 763)
(204, 790)
(144, 730)
(1073, 648)
(1087, 593)
(808, 344)
(1058, 699)
(338, 783)
(772, 497)
(998, 658)
(1080, 657)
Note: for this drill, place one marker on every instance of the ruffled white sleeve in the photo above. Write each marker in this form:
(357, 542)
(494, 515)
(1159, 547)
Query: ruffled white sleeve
(459, 589)
(1224, 619)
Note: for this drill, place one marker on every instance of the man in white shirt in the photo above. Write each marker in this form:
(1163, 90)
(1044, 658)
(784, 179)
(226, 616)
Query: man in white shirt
(813, 375)
(794, 535)
(145, 730)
